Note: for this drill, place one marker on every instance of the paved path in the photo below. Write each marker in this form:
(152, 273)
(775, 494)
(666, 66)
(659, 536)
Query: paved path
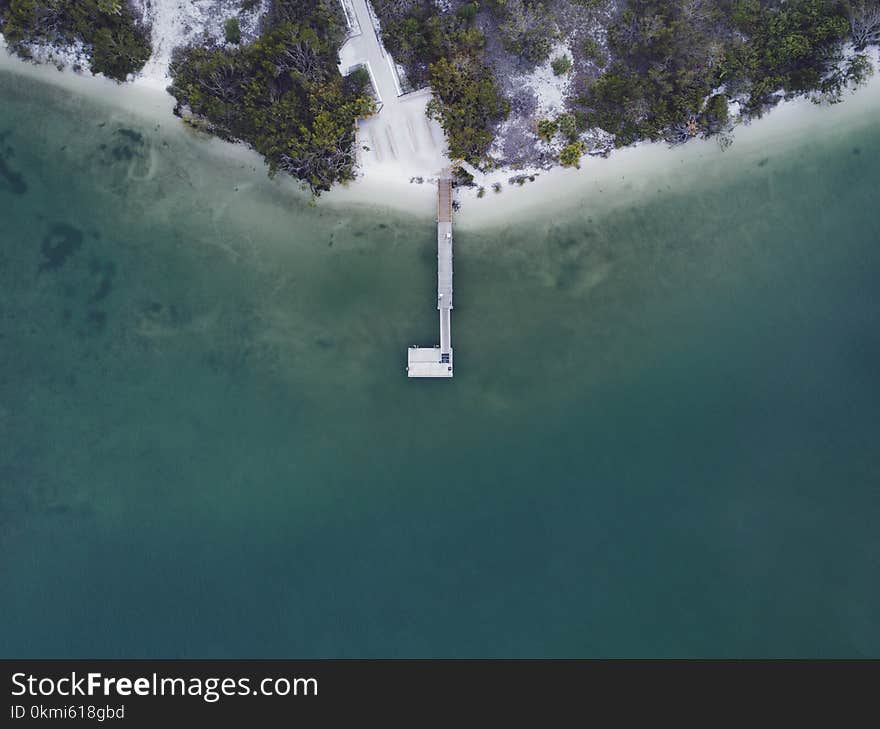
(367, 48)
(400, 137)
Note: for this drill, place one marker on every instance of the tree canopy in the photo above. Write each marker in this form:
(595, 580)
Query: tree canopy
(282, 94)
(116, 43)
(466, 103)
(670, 55)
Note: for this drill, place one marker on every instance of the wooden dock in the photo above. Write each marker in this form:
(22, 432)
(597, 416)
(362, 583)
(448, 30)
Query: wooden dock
(444, 200)
(437, 361)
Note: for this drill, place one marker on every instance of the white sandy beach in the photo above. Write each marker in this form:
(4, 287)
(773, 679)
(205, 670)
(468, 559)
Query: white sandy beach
(643, 168)
(625, 175)
(630, 172)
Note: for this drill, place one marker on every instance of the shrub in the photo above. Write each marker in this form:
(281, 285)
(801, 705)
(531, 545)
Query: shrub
(561, 65)
(593, 53)
(232, 31)
(567, 126)
(546, 129)
(571, 154)
(359, 78)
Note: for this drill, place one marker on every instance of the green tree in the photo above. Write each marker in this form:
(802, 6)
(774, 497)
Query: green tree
(232, 30)
(571, 154)
(467, 101)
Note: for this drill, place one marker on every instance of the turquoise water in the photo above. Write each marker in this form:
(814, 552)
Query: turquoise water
(661, 439)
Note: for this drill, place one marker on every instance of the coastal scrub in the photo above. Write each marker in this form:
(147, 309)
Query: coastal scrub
(671, 55)
(282, 94)
(116, 43)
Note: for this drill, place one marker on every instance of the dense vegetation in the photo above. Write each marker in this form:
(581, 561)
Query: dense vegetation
(639, 69)
(794, 47)
(283, 93)
(525, 27)
(445, 52)
(668, 67)
(466, 103)
(116, 43)
(669, 55)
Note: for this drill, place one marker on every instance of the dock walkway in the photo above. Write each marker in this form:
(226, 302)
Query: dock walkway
(437, 361)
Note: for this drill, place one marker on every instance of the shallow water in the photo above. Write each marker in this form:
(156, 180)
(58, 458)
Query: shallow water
(661, 439)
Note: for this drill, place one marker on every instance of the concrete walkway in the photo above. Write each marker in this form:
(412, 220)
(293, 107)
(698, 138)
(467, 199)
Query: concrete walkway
(400, 140)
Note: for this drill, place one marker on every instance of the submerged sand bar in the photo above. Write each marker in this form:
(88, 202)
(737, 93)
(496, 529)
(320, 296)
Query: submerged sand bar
(437, 361)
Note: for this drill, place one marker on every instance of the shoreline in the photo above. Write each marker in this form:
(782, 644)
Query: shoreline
(602, 183)
(144, 96)
(640, 169)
